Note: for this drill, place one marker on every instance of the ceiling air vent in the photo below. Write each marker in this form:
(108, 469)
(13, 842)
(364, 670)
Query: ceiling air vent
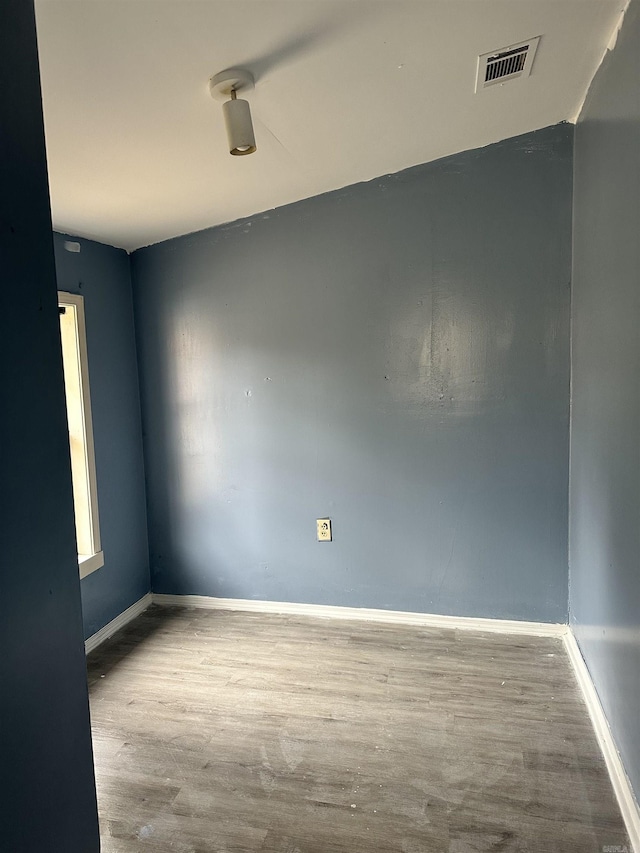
(507, 63)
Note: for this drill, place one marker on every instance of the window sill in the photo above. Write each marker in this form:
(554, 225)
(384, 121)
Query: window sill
(88, 563)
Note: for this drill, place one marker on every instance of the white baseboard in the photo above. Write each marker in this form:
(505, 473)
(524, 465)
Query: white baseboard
(619, 779)
(363, 614)
(120, 621)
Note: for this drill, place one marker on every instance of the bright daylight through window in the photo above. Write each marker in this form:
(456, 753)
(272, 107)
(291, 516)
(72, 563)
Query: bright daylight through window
(83, 468)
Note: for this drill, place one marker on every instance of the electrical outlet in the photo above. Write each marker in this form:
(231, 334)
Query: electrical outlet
(324, 529)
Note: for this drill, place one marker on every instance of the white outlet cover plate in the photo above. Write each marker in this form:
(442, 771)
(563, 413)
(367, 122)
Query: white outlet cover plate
(324, 529)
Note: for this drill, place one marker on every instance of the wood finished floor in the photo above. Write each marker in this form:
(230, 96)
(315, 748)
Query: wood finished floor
(221, 731)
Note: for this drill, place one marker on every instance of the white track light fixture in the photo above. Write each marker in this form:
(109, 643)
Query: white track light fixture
(237, 116)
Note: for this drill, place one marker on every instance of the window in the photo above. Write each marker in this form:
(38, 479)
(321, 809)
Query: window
(83, 466)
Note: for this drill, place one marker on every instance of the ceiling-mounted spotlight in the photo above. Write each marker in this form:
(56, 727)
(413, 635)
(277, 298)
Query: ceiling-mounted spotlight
(237, 116)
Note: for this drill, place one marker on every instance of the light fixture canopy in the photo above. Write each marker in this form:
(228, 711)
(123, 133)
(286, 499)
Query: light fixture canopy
(237, 115)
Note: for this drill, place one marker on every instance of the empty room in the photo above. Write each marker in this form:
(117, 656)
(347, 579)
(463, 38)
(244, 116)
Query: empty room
(321, 426)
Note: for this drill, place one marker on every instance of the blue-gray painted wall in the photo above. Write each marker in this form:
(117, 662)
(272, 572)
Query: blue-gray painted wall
(46, 770)
(101, 274)
(605, 430)
(394, 355)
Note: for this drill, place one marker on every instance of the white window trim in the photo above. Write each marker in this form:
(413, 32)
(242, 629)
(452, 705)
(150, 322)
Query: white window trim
(87, 563)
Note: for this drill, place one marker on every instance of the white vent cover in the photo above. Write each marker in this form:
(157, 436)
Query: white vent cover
(506, 63)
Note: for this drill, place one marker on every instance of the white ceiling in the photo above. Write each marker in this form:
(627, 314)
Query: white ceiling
(345, 91)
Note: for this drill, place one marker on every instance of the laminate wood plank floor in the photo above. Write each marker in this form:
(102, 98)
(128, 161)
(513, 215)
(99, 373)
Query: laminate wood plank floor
(219, 731)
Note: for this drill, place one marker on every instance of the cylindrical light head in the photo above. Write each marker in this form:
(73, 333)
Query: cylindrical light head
(237, 118)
